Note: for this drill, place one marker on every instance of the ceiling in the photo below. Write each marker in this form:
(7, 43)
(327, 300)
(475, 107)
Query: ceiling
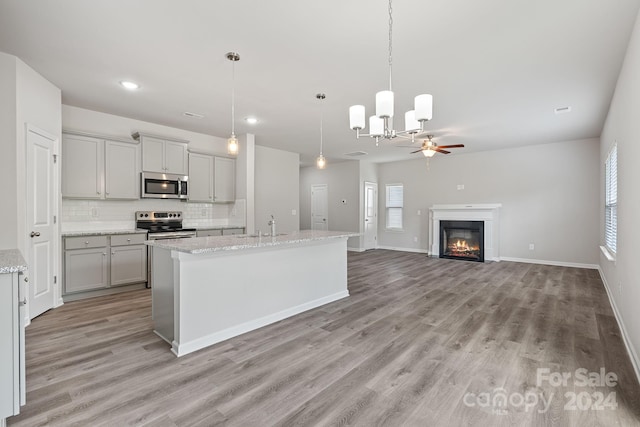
(497, 69)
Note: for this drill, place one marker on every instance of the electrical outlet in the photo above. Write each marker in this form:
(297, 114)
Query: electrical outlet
(344, 201)
(419, 212)
(94, 212)
(460, 186)
(204, 212)
(620, 286)
(531, 246)
(415, 239)
(294, 212)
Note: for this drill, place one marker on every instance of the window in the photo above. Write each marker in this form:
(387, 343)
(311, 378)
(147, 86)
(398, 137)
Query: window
(394, 206)
(611, 200)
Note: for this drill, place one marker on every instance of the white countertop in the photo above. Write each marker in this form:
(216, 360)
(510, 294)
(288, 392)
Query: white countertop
(201, 245)
(11, 261)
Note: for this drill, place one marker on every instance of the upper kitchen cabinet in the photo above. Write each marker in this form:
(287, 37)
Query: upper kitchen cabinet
(95, 167)
(212, 179)
(163, 155)
(224, 180)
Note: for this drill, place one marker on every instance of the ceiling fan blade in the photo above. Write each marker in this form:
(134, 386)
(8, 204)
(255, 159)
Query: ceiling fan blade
(417, 151)
(451, 146)
(440, 150)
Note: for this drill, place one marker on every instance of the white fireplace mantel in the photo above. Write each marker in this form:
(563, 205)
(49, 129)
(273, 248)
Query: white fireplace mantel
(489, 213)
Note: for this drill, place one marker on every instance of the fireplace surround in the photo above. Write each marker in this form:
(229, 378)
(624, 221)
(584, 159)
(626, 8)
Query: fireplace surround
(489, 214)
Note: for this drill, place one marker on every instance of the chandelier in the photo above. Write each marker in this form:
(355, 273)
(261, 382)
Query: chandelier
(381, 124)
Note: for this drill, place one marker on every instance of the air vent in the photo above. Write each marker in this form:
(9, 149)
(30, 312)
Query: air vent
(562, 110)
(194, 115)
(356, 154)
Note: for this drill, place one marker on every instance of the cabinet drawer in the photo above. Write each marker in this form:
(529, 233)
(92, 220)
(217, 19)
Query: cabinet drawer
(232, 231)
(204, 233)
(84, 242)
(128, 239)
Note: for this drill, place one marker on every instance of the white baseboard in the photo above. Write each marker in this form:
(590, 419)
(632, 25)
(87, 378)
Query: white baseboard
(545, 262)
(394, 248)
(635, 361)
(200, 343)
(356, 249)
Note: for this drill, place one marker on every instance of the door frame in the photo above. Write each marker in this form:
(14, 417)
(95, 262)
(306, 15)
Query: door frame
(326, 187)
(55, 209)
(375, 210)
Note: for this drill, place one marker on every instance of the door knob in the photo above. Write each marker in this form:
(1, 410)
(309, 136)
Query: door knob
(35, 234)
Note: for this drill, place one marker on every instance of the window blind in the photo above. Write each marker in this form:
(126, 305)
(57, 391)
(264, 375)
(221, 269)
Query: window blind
(394, 205)
(611, 200)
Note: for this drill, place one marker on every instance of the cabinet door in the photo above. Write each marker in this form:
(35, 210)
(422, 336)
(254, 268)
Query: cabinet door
(128, 264)
(9, 346)
(85, 269)
(152, 154)
(225, 180)
(200, 178)
(122, 173)
(82, 167)
(175, 158)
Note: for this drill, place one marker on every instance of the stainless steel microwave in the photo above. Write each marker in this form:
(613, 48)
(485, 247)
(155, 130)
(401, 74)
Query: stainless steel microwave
(163, 186)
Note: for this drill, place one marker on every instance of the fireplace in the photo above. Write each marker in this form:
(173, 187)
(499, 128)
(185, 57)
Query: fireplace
(462, 240)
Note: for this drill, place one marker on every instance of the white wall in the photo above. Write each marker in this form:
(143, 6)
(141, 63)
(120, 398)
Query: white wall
(8, 156)
(623, 127)
(277, 181)
(342, 181)
(548, 192)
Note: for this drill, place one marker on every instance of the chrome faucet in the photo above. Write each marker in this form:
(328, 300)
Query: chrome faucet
(272, 223)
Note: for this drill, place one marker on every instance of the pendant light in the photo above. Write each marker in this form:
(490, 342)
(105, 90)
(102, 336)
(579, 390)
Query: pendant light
(232, 142)
(321, 162)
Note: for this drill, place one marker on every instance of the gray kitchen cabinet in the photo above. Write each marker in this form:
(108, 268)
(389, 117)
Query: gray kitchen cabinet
(99, 262)
(128, 259)
(163, 155)
(85, 269)
(97, 168)
(224, 180)
(12, 360)
(200, 178)
(232, 231)
(210, 232)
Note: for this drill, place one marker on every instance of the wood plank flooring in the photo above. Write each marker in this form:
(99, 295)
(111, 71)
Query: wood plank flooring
(420, 342)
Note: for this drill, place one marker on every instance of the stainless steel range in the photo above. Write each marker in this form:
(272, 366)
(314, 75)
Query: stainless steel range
(161, 226)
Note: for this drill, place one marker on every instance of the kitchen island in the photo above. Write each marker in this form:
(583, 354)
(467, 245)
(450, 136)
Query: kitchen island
(209, 289)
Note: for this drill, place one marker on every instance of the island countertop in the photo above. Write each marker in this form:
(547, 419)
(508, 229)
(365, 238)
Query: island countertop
(202, 245)
(11, 261)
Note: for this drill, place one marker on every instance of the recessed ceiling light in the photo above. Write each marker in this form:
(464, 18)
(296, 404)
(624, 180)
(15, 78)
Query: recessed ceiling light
(562, 110)
(129, 85)
(251, 120)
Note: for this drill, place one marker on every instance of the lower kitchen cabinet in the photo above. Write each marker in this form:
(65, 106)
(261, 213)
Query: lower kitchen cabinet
(211, 232)
(128, 265)
(232, 231)
(98, 263)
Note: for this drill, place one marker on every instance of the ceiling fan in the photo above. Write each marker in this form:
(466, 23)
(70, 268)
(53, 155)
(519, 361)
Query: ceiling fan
(430, 148)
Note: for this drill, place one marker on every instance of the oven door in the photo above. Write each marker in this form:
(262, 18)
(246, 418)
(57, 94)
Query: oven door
(163, 186)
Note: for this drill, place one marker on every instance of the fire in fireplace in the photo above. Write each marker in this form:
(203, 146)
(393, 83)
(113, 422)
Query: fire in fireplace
(462, 240)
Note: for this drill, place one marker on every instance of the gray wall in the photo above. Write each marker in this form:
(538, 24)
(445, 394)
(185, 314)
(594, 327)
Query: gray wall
(277, 193)
(342, 184)
(548, 192)
(622, 126)
(8, 170)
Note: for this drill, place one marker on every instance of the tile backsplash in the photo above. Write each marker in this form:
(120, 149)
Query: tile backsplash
(87, 215)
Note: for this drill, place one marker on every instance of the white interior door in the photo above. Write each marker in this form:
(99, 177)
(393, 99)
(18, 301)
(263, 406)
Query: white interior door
(41, 205)
(370, 215)
(319, 217)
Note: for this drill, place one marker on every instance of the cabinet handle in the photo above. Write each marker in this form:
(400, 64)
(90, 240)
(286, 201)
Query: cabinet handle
(113, 253)
(97, 192)
(86, 243)
(26, 279)
(104, 254)
(128, 240)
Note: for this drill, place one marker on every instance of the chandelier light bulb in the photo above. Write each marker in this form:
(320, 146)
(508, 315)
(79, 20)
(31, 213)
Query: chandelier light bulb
(356, 117)
(232, 145)
(424, 107)
(384, 104)
(321, 162)
(411, 125)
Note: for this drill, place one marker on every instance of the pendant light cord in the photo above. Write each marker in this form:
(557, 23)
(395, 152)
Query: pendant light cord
(321, 120)
(390, 43)
(233, 97)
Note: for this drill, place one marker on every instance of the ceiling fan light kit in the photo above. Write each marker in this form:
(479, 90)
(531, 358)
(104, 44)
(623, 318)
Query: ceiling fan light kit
(380, 123)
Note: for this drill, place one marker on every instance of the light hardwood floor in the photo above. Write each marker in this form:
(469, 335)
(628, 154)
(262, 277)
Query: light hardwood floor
(416, 337)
